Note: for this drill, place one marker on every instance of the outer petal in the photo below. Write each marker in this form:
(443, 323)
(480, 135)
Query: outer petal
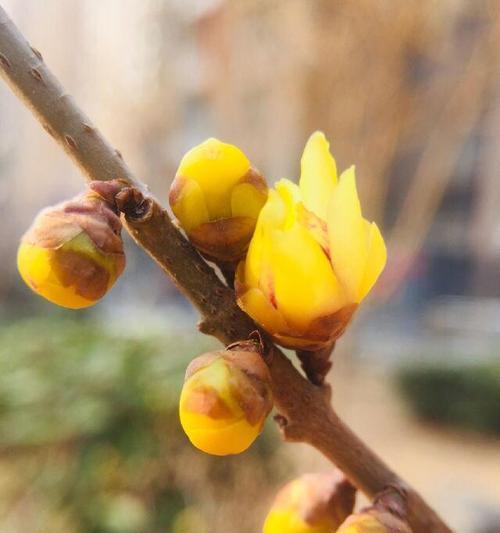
(305, 286)
(318, 174)
(357, 248)
(273, 214)
(35, 265)
(255, 303)
(377, 257)
(348, 235)
(188, 203)
(228, 440)
(247, 201)
(217, 167)
(249, 195)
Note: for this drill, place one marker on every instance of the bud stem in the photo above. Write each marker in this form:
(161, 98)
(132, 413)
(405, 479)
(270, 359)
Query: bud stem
(316, 364)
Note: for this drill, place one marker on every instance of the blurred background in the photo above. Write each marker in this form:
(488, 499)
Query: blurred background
(409, 92)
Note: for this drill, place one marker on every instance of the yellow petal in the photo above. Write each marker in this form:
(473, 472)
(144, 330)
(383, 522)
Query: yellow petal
(273, 214)
(231, 439)
(305, 286)
(290, 198)
(289, 521)
(256, 304)
(216, 167)
(377, 257)
(189, 206)
(348, 235)
(247, 201)
(34, 265)
(318, 174)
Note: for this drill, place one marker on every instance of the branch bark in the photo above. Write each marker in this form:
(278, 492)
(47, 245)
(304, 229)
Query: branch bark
(305, 411)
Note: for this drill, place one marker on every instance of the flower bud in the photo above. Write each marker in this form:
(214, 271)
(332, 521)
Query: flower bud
(312, 503)
(225, 400)
(313, 257)
(73, 252)
(217, 196)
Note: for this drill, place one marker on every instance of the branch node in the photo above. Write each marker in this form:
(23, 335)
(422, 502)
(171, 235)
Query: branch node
(88, 128)
(118, 153)
(132, 203)
(70, 142)
(37, 75)
(48, 129)
(254, 343)
(207, 326)
(37, 53)
(393, 498)
(281, 421)
(290, 431)
(5, 62)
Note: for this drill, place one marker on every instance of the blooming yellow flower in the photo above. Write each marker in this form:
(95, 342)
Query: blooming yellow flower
(225, 400)
(217, 197)
(313, 257)
(73, 252)
(312, 503)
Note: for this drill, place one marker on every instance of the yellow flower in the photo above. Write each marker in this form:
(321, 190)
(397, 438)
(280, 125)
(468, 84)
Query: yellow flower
(73, 252)
(217, 197)
(225, 400)
(313, 257)
(312, 503)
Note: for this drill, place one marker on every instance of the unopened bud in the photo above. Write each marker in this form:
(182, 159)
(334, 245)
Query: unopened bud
(73, 252)
(225, 400)
(312, 503)
(217, 196)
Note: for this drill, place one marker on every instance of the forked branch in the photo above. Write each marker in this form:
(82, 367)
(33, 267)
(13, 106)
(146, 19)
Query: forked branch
(305, 411)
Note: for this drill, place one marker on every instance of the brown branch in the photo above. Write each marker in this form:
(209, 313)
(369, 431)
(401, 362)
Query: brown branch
(305, 410)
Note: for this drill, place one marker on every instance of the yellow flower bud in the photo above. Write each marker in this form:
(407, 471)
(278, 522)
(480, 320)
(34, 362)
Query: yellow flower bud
(73, 253)
(313, 503)
(313, 257)
(225, 400)
(217, 196)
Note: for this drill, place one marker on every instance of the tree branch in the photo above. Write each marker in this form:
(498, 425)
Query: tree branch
(305, 411)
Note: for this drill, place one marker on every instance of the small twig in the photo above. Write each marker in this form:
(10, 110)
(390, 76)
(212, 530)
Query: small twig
(228, 271)
(316, 364)
(304, 408)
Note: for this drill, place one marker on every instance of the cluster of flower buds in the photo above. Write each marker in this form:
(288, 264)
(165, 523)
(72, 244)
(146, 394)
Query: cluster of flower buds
(225, 399)
(312, 503)
(217, 196)
(307, 258)
(312, 257)
(73, 252)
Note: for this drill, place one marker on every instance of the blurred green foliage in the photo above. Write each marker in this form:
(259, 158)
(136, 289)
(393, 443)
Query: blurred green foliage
(466, 396)
(89, 432)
